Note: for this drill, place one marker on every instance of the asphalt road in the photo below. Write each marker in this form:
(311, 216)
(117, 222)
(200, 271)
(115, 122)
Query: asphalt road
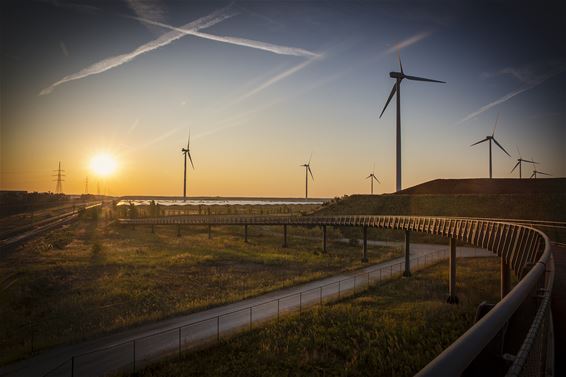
(115, 352)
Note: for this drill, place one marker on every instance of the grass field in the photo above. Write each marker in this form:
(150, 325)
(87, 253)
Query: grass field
(391, 330)
(91, 277)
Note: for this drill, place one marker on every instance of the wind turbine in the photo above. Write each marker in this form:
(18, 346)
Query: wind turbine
(535, 171)
(372, 177)
(490, 139)
(399, 76)
(187, 153)
(307, 167)
(519, 163)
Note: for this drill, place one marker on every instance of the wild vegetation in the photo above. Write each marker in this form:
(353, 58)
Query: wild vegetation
(94, 276)
(393, 329)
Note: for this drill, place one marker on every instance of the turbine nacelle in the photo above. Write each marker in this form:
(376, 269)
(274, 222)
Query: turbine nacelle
(397, 75)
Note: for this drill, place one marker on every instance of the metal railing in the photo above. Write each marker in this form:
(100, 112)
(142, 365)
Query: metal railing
(525, 250)
(134, 354)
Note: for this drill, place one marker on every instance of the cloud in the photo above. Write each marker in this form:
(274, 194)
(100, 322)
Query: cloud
(163, 40)
(530, 82)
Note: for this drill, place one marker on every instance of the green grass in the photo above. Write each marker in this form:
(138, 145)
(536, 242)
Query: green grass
(92, 278)
(394, 329)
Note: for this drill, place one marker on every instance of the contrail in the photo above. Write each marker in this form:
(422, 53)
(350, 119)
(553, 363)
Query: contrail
(277, 49)
(508, 96)
(163, 40)
(275, 79)
(409, 41)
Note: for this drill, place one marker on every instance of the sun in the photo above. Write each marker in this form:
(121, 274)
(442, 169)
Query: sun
(103, 164)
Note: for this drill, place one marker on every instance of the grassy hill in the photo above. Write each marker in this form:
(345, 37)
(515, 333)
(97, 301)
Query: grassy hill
(544, 199)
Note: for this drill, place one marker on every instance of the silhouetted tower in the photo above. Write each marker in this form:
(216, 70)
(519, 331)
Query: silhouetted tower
(86, 186)
(59, 179)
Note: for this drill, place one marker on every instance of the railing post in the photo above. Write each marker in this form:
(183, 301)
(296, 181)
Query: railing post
(209, 231)
(407, 272)
(365, 252)
(505, 278)
(72, 366)
(452, 298)
(285, 235)
(246, 233)
(324, 238)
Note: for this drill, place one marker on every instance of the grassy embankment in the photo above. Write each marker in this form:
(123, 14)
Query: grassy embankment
(393, 329)
(551, 206)
(91, 278)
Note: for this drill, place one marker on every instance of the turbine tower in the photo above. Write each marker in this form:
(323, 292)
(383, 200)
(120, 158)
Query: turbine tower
(490, 139)
(372, 177)
(187, 153)
(519, 163)
(59, 179)
(535, 171)
(307, 167)
(399, 76)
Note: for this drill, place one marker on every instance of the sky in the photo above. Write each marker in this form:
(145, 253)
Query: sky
(261, 86)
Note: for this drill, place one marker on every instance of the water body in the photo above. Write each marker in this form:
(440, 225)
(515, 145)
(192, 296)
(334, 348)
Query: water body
(221, 202)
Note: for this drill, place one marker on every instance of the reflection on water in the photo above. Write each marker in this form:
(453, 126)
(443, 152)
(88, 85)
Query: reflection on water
(221, 202)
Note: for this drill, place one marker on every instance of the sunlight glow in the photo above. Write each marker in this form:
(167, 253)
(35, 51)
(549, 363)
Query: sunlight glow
(103, 164)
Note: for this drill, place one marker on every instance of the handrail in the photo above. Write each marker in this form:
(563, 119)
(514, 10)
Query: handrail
(525, 249)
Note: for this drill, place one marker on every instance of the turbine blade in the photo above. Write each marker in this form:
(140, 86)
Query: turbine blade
(189, 140)
(369, 176)
(310, 171)
(190, 159)
(478, 142)
(503, 149)
(494, 127)
(534, 174)
(515, 167)
(415, 78)
(529, 161)
(518, 151)
(539, 172)
(389, 99)
(310, 158)
(374, 177)
(399, 58)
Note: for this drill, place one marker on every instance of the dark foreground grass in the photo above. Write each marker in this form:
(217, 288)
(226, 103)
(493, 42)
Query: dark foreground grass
(394, 329)
(93, 278)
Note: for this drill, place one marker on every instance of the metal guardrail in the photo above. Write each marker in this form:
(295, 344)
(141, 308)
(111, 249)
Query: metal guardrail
(524, 249)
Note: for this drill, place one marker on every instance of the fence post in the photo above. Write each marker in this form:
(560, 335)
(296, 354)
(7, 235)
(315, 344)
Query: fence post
(365, 252)
(407, 272)
(179, 342)
(452, 298)
(505, 278)
(218, 329)
(324, 238)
